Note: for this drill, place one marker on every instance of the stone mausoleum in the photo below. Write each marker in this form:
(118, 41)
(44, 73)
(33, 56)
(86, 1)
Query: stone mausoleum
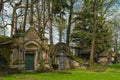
(28, 50)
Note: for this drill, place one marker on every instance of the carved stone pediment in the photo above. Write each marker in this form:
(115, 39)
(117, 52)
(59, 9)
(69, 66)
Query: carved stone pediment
(31, 45)
(32, 34)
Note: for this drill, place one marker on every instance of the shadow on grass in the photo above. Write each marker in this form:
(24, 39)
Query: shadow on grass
(52, 72)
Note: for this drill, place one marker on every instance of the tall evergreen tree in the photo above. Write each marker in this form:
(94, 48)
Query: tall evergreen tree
(91, 22)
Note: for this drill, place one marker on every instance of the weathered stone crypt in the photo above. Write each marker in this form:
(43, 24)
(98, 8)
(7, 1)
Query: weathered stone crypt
(28, 50)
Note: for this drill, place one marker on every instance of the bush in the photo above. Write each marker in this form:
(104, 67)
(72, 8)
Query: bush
(4, 68)
(44, 70)
(115, 66)
(8, 71)
(97, 68)
(5, 53)
(3, 62)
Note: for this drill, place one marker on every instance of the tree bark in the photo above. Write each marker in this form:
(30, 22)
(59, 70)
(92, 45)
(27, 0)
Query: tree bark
(44, 24)
(60, 36)
(116, 43)
(25, 15)
(31, 13)
(50, 23)
(93, 33)
(69, 24)
(13, 19)
(61, 27)
(1, 5)
(13, 16)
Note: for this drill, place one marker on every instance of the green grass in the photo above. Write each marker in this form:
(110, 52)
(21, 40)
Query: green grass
(112, 73)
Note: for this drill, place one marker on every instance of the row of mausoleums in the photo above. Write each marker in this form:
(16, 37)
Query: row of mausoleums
(31, 52)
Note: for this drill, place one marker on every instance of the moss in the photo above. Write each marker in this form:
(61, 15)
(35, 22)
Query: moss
(4, 38)
(5, 52)
(5, 47)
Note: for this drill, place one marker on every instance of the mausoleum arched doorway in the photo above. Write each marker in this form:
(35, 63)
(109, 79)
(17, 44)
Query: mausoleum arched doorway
(31, 55)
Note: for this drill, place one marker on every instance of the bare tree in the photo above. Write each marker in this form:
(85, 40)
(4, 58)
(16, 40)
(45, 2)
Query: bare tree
(15, 7)
(25, 15)
(50, 15)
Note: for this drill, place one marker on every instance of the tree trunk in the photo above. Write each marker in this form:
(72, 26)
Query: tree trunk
(31, 13)
(13, 16)
(13, 19)
(116, 43)
(44, 24)
(61, 28)
(1, 5)
(50, 23)
(93, 33)
(69, 24)
(60, 36)
(25, 15)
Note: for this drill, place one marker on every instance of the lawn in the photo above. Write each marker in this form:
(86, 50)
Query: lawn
(112, 73)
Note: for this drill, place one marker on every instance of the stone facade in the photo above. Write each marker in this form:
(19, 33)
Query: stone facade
(29, 50)
(60, 59)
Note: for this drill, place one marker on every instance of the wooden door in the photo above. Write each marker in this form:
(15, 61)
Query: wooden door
(29, 61)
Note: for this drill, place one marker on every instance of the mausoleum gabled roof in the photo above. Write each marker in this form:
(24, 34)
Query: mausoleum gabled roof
(33, 33)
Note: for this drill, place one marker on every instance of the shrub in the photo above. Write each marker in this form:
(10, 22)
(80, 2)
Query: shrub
(45, 69)
(115, 66)
(97, 68)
